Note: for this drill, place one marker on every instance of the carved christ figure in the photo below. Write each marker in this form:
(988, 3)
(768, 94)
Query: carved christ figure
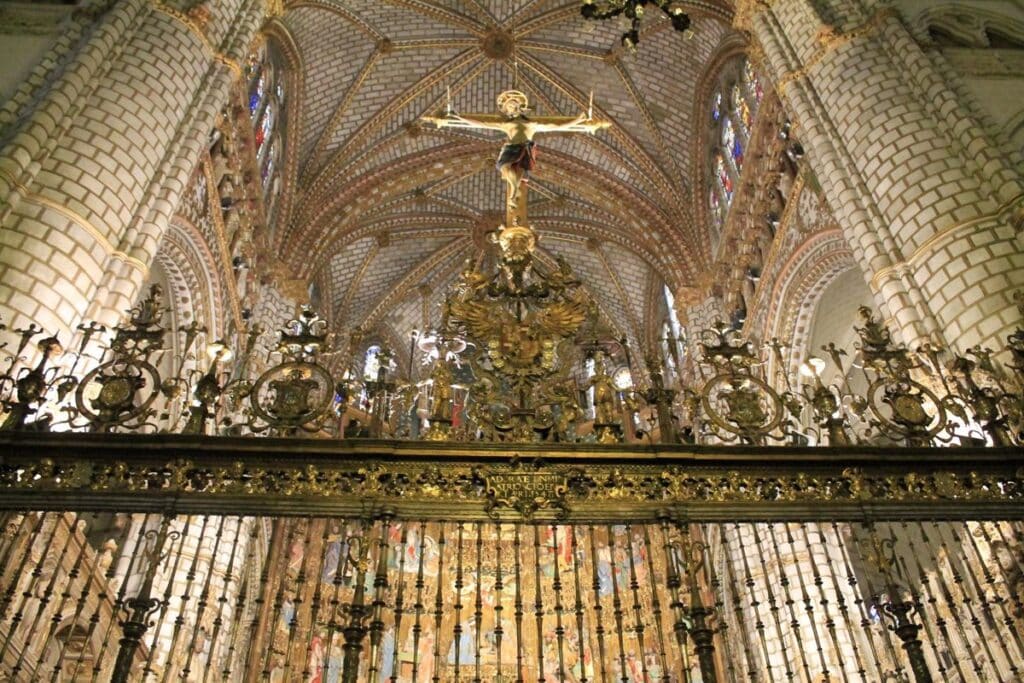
(517, 156)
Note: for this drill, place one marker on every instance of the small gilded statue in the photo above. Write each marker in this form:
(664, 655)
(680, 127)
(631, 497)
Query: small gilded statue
(604, 394)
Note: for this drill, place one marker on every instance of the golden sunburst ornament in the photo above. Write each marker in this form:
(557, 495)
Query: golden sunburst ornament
(513, 98)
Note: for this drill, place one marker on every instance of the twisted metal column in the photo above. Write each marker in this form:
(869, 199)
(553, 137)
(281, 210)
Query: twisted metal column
(141, 607)
(903, 626)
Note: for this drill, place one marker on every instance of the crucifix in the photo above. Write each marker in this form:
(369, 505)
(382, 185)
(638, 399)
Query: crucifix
(517, 156)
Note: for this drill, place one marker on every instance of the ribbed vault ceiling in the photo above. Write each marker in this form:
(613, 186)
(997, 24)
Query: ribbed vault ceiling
(387, 210)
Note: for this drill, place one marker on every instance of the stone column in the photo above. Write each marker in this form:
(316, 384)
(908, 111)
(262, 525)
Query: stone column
(925, 199)
(98, 147)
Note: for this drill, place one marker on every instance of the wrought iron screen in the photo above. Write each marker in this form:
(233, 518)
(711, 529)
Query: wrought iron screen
(239, 598)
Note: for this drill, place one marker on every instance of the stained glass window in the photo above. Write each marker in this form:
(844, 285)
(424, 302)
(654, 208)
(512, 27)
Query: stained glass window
(667, 339)
(742, 110)
(731, 143)
(733, 108)
(256, 94)
(753, 82)
(266, 96)
(716, 106)
(737, 154)
(724, 179)
(264, 129)
(670, 302)
(268, 163)
(716, 208)
(371, 363)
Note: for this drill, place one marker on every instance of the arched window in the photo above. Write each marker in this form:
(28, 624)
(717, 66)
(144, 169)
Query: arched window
(731, 144)
(264, 129)
(673, 317)
(754, 86)
(673, 337)
(622, 379)
(257, 89)
(733, 108)
(371, 363)
(743, 116)
(266, 95)
(715, 204)
(724, 181)
(268, 163)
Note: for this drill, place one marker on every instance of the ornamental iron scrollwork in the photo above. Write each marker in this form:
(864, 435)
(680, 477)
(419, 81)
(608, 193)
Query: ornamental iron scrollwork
(523, 491)
(122, 391)
(30, 388)
(525, 324)
(297, 393)
(520, 357)
(903, 408)
(912, 398)
(736, 402)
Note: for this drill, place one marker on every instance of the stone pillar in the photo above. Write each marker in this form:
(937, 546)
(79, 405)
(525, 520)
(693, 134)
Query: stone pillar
(99, 145)
(700, 317)
(925, 199)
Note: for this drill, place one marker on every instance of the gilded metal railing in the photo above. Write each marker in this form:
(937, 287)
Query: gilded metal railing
(195, 474)
(143, 379)
(149, 537)
(240, 559)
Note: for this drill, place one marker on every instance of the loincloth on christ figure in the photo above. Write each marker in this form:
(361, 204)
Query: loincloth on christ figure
(520, 156)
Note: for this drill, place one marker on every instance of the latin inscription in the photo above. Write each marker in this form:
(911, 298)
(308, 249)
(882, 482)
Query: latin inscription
(526, 485)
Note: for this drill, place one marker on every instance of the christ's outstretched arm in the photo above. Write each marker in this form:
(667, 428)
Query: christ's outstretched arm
(454, 120)
(542, 127)
(478, 123)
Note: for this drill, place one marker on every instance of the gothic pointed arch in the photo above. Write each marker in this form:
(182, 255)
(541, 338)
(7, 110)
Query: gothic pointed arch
(196, 292)
(797, 292)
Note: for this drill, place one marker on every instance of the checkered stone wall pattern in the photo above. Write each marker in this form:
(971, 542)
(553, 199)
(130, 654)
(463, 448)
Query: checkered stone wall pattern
(924, 195)
(90, 176)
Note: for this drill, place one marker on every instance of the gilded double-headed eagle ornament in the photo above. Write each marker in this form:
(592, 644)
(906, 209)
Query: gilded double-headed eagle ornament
(519, 316)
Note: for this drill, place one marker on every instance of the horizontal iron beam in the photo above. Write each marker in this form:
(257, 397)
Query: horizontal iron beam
(584, 482)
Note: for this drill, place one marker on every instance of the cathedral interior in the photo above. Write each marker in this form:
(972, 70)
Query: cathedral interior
(564, 341)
